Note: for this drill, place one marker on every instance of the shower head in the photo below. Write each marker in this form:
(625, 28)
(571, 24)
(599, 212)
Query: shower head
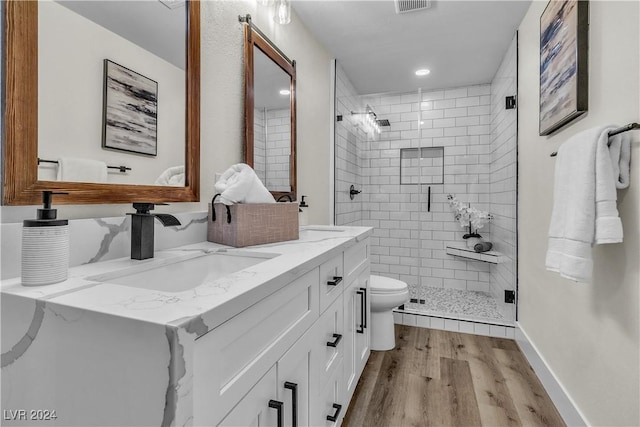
(383, 122)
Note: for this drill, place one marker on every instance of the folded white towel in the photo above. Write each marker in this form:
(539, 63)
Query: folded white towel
(584, 200)
(240, 184)
(173, 176)
(71, 169)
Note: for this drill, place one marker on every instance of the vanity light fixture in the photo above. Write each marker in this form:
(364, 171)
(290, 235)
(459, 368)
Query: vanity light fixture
(422, 72)
(285, 92)
(282, 11)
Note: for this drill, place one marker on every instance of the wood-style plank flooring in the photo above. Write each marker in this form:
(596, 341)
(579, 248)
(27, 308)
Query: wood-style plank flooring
(440, 378)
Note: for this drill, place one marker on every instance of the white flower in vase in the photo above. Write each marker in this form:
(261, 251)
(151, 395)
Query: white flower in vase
(468, 217)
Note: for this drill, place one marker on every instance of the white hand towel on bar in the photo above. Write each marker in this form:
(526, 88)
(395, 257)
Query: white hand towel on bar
(71, 169)
(173, 176)
(584, 200)
(240, 184)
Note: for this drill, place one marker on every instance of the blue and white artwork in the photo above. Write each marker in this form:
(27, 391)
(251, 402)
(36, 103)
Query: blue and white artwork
(130, 110)
(562, 91)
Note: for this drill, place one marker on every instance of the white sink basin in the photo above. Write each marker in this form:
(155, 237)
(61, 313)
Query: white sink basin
(183, 273)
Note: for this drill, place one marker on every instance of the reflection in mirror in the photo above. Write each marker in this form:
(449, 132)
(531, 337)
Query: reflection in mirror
(270, 113)
(271, 123)
(111, 92)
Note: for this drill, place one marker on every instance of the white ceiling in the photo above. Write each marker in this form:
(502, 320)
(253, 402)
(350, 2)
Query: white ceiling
(149, 24)
(461, 42)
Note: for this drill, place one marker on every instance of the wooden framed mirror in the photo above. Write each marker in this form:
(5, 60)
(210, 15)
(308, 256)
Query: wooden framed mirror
(23, 113)
(270, 113)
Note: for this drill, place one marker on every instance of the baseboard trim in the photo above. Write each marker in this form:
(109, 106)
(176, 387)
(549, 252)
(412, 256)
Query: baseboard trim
(559, 396)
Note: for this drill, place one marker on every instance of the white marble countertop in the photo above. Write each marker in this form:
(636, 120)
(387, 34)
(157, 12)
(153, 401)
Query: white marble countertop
(207, 305)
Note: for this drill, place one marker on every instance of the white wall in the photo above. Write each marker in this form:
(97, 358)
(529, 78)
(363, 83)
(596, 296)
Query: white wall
(222, 111)
(588, 334)
(70, 96)
(222, 103)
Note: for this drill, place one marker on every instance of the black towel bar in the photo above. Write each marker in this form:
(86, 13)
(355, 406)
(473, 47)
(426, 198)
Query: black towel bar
(630, 126)
(122, 169)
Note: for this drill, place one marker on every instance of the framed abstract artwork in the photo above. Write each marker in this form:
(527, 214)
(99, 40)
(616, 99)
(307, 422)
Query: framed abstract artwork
(564, 78)
(130, 111)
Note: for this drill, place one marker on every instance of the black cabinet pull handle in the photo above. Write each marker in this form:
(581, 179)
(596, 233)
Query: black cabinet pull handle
(364, 307)
(277, 405)
(360, 329)
(336, 280)
(335, 342)
(334, 417)
(294, 402)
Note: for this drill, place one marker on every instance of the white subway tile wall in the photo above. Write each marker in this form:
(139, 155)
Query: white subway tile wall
(503, 176)
(259, 144)
(278, 149)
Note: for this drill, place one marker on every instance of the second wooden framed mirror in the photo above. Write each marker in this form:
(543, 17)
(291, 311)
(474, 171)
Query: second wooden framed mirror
(270, 113)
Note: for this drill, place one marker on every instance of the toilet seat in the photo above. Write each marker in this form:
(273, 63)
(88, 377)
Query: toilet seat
(386, 285)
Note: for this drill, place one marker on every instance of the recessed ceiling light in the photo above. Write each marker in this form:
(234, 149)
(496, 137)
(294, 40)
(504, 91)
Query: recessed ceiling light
(422, 72)
(284, 92)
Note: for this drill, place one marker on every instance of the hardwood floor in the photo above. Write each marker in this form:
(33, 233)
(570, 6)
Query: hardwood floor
(440, 378)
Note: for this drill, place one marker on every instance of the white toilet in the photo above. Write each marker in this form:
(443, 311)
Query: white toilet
(386, 294)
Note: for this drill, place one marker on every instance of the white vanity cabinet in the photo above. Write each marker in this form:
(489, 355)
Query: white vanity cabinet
(281, 396)
(294, 358)
(275, 343)
(230, 359)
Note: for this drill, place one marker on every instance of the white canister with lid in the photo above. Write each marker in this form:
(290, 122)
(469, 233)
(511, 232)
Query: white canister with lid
(45, 246)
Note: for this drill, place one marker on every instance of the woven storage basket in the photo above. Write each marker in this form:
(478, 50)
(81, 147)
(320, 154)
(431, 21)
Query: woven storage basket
(253, 224)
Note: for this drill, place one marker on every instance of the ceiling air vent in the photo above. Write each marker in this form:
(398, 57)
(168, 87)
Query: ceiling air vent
(406, 6)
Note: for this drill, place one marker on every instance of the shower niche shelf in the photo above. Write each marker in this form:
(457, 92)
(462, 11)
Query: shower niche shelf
(491, 257)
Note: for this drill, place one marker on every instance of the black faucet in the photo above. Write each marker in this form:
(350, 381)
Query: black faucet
(142, 229)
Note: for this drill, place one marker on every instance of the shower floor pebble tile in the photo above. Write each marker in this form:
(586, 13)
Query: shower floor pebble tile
(457, 303)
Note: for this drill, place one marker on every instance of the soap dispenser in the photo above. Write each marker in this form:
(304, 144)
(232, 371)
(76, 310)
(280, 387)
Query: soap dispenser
(45, 246)
(303, 218)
